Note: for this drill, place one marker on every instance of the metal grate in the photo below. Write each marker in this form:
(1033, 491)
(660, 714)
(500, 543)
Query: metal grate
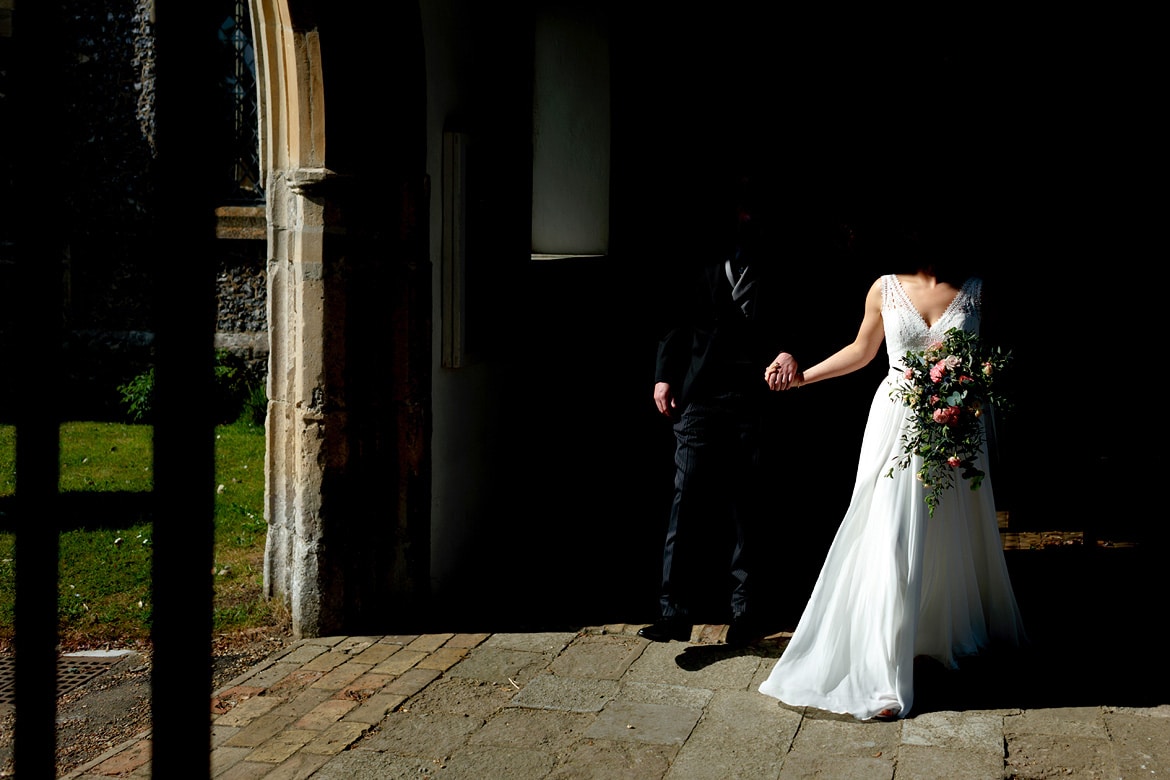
(72, 671)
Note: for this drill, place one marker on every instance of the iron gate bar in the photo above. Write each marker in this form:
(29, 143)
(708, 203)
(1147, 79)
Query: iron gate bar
(184, 432)
(39, 245)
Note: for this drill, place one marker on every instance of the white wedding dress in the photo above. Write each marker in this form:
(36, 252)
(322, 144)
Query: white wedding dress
(898, 583)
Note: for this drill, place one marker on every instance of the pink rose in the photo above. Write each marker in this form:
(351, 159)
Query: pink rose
(947, 415)
(954, 461)
(937, 371)
(953, 361)
(909, 373)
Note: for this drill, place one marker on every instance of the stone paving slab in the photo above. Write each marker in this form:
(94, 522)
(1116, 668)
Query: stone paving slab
(548, 642)
(657, 693)
(721, 668)
(631, 722)
(552, 692)
(432, 735)
(1086, 722)
(956, 731)
(836, 736)
(605, 703)
(922, 762)
(546, 729)
(482, 762)
(371, 765)
(598, 758)
(1038, 755)
(1141, 741)
(462, 696)
(503, 665)
(741, 734)
(603, 657)
(803, 766)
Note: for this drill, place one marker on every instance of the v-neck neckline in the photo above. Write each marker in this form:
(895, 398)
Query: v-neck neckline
(909, 302)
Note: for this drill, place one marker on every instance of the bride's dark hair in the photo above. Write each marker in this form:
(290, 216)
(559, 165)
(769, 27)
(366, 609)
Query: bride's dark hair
(930, 242)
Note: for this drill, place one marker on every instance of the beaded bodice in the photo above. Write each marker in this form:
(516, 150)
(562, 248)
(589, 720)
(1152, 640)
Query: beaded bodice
(905, 328)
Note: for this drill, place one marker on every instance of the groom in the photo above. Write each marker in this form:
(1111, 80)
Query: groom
(708, 382)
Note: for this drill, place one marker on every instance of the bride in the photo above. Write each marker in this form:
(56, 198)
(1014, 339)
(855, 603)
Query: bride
(898, 583)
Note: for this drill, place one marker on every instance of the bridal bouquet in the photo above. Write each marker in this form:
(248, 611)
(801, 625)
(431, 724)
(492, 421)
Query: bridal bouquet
(949, 386)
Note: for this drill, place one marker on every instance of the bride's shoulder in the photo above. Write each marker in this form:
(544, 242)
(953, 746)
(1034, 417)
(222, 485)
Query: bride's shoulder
(883, 286)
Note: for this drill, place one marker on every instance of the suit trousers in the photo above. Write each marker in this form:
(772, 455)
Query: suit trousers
(716, 502)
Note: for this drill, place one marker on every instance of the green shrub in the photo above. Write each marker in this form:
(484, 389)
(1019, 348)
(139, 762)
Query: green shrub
(256, 404)
(237, 393)
(138, 397)
(232, 386)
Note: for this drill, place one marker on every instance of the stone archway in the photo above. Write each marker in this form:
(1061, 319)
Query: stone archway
(346, 470)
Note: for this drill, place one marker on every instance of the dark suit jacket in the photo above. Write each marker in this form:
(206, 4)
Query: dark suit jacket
(711, 344)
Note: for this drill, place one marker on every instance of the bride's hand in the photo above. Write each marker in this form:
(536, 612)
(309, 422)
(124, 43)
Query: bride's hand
(781, 372)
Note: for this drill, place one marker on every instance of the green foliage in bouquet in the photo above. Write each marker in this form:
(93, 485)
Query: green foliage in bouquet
(949, 386)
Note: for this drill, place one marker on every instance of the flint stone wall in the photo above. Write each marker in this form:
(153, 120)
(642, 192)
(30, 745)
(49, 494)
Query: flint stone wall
(107, 246)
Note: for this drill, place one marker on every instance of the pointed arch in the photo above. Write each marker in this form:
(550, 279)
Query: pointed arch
(348, 307)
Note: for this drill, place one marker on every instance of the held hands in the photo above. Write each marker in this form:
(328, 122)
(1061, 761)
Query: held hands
(783, 373)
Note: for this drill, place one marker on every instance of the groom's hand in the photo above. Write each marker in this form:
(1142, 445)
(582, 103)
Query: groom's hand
(782, 372)
(664, 398)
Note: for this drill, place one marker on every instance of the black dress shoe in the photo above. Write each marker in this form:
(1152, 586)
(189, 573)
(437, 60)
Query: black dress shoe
(743, 631)
(665, 629)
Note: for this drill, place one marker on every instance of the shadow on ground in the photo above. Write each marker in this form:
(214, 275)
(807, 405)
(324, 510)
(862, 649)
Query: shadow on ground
(1092, 615)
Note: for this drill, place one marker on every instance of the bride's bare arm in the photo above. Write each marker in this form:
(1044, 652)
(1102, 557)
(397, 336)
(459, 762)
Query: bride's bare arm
(860, 351)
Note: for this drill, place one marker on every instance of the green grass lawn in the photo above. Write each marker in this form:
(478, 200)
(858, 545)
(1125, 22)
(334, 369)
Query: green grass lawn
(104, 575)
